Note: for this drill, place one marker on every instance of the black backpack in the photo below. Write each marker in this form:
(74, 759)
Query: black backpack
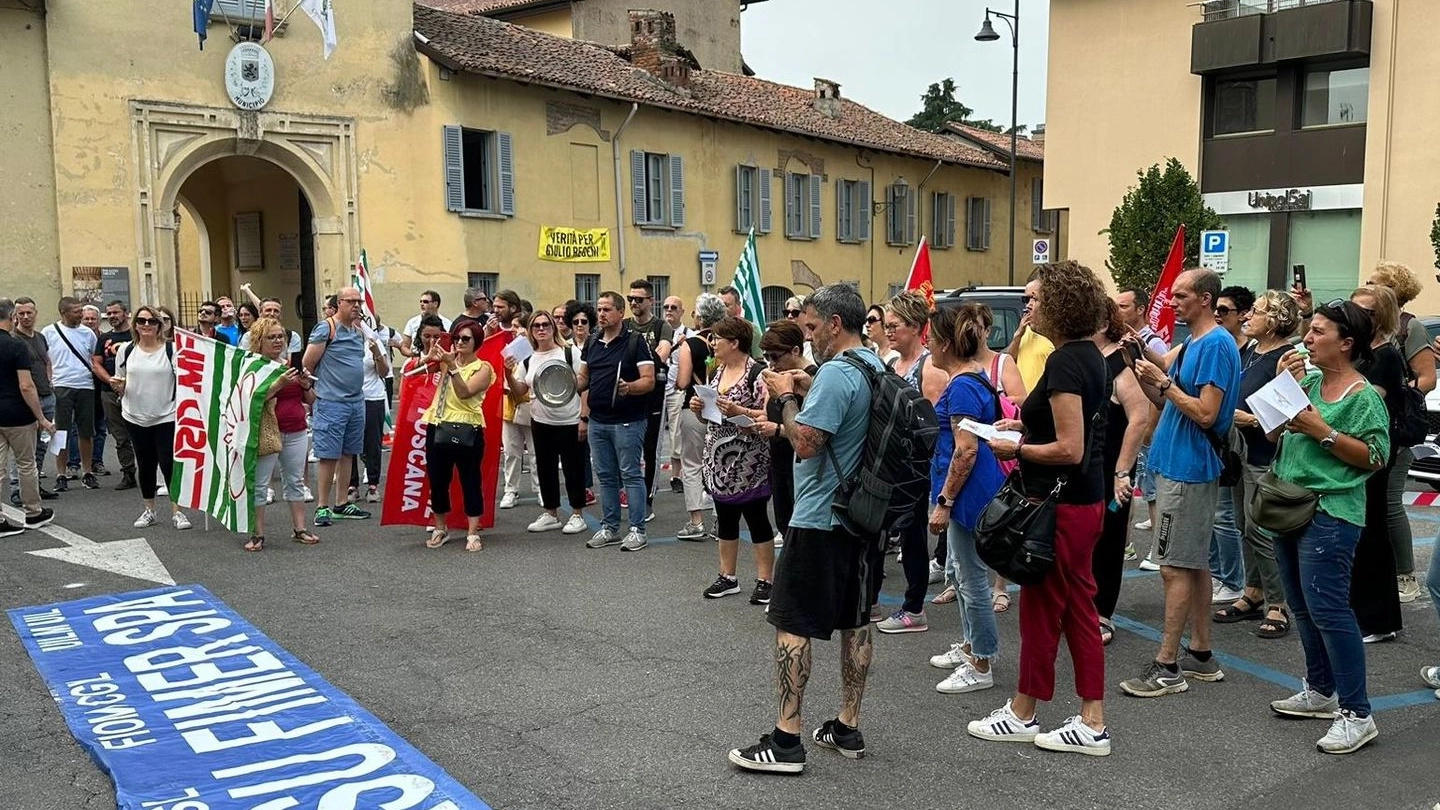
(891, 485)
(1410, 421)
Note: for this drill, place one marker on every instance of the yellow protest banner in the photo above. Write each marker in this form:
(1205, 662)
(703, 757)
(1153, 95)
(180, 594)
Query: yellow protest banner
(558, 244)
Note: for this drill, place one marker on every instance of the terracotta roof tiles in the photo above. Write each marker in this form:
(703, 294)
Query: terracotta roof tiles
(999, 142)
(488, 47)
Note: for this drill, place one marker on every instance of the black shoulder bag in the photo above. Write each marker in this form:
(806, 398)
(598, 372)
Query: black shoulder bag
(1015, 533)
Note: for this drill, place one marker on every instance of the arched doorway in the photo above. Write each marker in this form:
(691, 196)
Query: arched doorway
(244, 220)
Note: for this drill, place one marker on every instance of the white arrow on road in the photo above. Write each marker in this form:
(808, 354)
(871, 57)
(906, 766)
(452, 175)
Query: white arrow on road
(129, 558)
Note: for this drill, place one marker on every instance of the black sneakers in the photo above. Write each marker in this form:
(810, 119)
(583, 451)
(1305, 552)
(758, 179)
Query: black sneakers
(766, 757)
(41, 518)
(8, 529)
(850, 744)
(62, 483)
(90, 481)
(722, 586)
(761, 594)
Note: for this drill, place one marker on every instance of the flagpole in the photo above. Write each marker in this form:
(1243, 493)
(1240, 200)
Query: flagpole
(282, 20)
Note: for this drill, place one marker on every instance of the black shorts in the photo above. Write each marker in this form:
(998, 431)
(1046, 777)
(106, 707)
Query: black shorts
(822, 583)
(75, 411)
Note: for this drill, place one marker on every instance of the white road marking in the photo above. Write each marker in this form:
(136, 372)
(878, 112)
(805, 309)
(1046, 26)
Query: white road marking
(129, 558)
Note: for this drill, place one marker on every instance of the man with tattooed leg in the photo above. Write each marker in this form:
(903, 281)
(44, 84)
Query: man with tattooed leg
(822, 583)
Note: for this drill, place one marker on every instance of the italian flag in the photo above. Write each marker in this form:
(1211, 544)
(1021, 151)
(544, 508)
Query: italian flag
(220, 394)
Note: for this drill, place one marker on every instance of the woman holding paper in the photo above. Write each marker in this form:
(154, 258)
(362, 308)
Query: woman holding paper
(145, 381)
(1332, 448)
(964, 476)
(1274, 317)
(736, 471)
(1373, 595)
(692, 362)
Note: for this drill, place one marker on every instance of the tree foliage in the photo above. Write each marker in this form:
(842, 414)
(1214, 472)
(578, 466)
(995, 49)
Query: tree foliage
(1143, 226)
(939, 107)
(1435, 236)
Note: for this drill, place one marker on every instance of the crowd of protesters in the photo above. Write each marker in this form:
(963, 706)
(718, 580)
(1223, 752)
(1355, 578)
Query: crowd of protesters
(759, 422)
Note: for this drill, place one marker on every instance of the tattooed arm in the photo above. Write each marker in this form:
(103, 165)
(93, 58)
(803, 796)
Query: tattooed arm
(807, 441)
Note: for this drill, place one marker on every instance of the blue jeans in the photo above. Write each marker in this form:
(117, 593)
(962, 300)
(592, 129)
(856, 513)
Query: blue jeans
(965, 571)
(1227, 557)
(1143, 477)
(615, 453)
(1315, 567)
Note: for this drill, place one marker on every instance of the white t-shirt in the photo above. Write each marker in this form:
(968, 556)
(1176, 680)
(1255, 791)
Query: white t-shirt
(149, 386)
(68, 370)
(412, 329)
(374, 386)
(567, 414)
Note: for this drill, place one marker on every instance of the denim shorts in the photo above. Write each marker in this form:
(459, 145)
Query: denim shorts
(338, 428)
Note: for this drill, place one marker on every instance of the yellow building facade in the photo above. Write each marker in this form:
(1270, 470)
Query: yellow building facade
(137, 174)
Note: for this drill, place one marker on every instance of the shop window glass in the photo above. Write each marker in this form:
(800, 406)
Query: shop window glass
(1249, 251)
(1328, 244)
(1336, 97)
(1245, 105)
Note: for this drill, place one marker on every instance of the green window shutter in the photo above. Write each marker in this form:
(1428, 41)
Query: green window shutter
(454, 169)
(637, 185)
(764, 201)
(507, 173)
(862, 211)
(677, 191)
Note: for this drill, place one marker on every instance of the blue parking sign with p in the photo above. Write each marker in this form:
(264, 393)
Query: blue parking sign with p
(1215, 242)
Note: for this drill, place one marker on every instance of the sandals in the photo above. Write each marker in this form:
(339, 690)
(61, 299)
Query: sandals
(303, 537)
(257, 543)
(472, 543)
(1275, 628)
(1254, 609)
(1000, 602)
(438, 537)
(945, 597)
(1107, 632)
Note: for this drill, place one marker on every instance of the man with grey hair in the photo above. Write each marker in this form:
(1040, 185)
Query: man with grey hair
(477, 308)
(822, 582)
(71, 345)
(334, 364)
(20, 413)
(731, 297)
(674, 313)
(1198, 395)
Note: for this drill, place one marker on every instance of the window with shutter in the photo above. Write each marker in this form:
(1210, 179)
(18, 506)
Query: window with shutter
(764, 201)
(815, 181)
(911, 204)
(240, 12)
(949, 220)
(507, 173)
(655, 189)
(844, 213)
(479, 171)
(862, 211)
(454, 169)
(639, 196)
(986, 229)
(744, 198)
(677, 191)
(937, 221)
(797, 206)
(896, 215)
(975, 223)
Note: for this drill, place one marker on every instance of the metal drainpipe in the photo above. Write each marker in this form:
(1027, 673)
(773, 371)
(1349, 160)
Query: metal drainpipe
(619, 198)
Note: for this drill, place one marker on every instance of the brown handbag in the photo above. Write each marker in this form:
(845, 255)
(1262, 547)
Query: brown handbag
(270, 438)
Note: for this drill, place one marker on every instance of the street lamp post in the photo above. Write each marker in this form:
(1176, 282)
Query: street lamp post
(989, 34)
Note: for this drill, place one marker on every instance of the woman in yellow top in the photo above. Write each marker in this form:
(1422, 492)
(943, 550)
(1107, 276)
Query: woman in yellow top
(455, 440)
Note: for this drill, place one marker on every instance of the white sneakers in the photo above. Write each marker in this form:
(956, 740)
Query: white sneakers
(937, 572)
(507, 501)
(1409, 587)
(575, 525)
(180, 521)
(147, 518)
(951, 658)
(1347, 733)
(965, 678)
(1073, 737)
(546, 522)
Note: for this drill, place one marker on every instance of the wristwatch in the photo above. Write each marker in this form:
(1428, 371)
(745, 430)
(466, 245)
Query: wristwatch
(941, 500)
(1329, 441)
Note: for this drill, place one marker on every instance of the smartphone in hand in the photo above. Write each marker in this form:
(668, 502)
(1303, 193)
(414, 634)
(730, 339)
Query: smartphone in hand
(1297, 273)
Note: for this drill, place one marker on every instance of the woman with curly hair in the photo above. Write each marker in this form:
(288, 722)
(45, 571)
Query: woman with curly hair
(1419, 356)
(1061, 447)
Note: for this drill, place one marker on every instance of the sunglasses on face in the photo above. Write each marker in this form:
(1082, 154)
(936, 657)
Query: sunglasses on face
(672, 307)
(355, 301)
(1224, 311)
(638, 299)
(580, 322)
(891, 327)
(464, 338)
(207, 312)
(872, 320)
(147, 322)
(774, 357)
(426, 301)
(542, 325)
(793, 313)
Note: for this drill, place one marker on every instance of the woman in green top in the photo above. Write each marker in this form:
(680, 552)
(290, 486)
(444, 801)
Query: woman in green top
(1333, 446)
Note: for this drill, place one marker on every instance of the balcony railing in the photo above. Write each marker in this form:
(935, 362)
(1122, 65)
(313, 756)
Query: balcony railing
(1228, 9)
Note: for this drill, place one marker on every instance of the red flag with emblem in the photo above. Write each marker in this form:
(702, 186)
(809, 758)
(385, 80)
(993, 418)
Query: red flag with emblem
(921, 280)
(1160, 315)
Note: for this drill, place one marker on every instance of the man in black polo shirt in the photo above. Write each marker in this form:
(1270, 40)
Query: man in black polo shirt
(20, 412)
(103, 363)
(619, 371)
(659, 337)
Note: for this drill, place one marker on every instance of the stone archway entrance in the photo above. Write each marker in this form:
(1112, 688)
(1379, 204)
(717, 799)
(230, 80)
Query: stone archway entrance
(187, 153)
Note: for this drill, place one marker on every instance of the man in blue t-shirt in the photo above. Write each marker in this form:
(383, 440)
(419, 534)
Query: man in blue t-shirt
(1198, 395)
(334, 362)
(822, 583)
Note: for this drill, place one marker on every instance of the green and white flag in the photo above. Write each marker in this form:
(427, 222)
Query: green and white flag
(220, 394)
(747, 282)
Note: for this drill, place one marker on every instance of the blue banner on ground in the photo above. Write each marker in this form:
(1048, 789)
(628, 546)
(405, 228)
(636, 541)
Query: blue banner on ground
(189, 707)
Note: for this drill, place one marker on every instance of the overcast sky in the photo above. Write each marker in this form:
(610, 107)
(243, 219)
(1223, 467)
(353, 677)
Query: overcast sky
(884, 54)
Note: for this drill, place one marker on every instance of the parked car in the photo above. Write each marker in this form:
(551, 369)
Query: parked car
(1427, 456)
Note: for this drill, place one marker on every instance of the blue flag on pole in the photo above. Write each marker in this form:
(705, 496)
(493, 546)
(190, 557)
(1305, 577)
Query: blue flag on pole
(202, 19)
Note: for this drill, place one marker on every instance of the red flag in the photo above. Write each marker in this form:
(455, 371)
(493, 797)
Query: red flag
(920, 278)
(407, 498)
(1160, 315)
(269, 22)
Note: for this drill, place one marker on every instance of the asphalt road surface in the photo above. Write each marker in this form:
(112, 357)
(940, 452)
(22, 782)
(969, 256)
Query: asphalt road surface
(543, 675)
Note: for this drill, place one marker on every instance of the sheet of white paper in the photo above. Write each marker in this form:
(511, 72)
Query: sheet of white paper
(989, 433)
(519, 348)
(740, 420)
(57, 443)
(709, 410)
(1278, 402)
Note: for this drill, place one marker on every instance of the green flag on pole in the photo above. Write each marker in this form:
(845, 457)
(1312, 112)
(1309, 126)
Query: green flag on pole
(747, 282)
